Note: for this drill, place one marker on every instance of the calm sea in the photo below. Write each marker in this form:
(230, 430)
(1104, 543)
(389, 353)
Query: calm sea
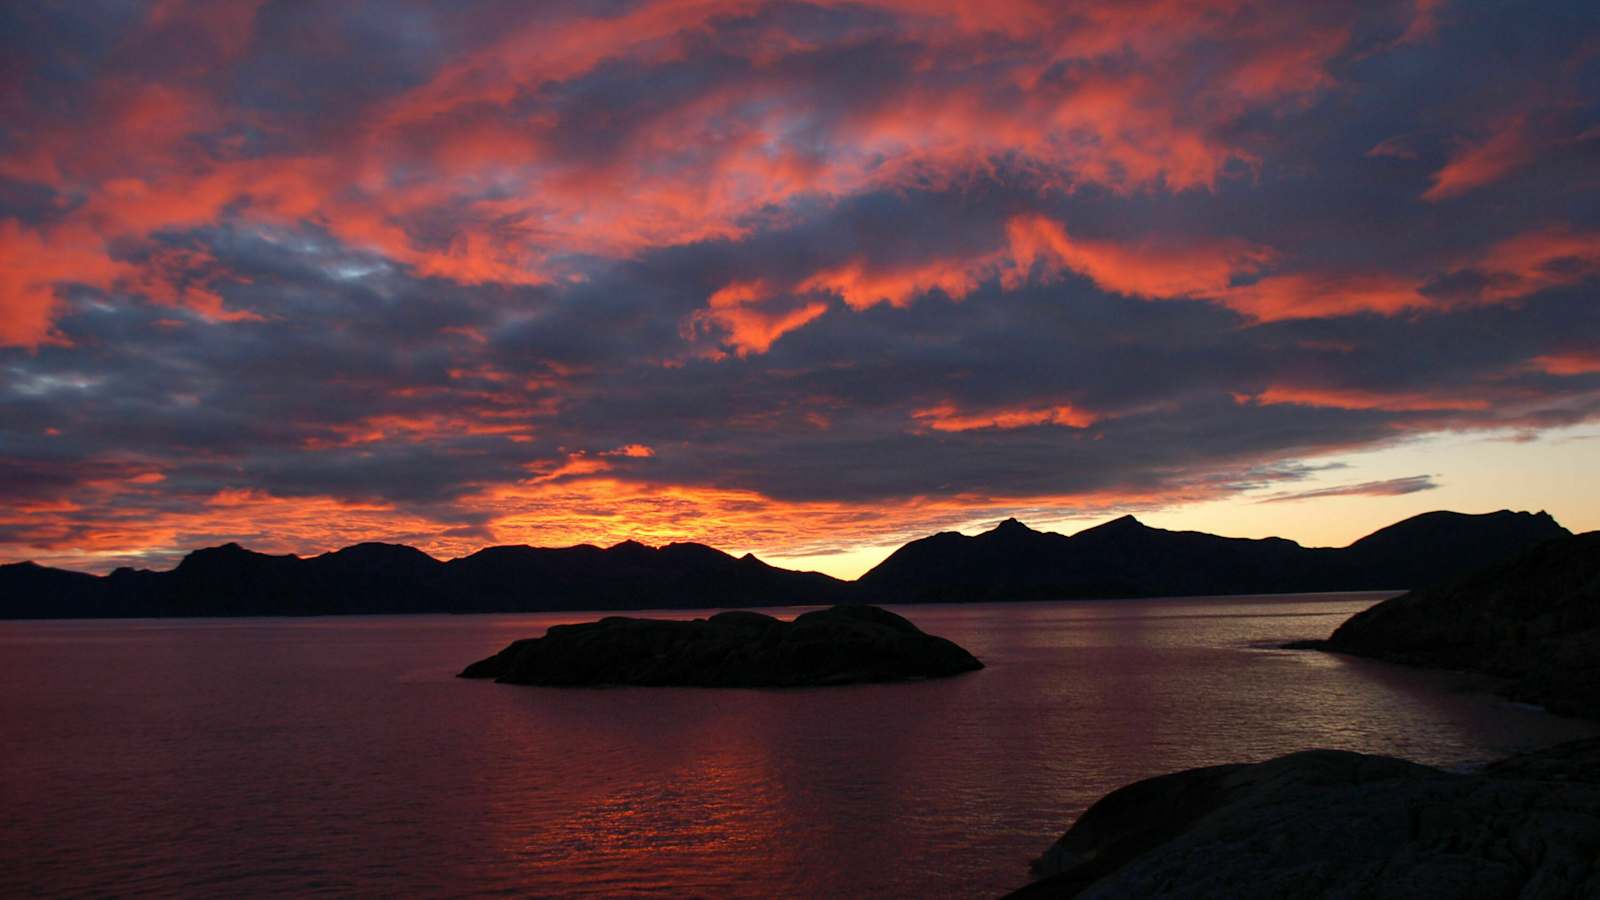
(339, 755)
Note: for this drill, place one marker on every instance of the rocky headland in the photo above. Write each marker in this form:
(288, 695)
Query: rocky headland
(1532, 623)
(839, 645)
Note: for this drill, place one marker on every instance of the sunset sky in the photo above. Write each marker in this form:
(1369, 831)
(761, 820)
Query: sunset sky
(805, 279)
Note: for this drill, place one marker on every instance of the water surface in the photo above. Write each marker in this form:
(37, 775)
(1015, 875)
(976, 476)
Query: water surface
(339, 754)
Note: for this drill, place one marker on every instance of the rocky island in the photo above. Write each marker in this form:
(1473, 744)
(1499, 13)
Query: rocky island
(840, 645)
(1327, 823)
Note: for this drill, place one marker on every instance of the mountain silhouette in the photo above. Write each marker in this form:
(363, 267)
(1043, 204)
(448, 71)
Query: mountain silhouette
(1126, 558)
(1122, 558)
(388, 578)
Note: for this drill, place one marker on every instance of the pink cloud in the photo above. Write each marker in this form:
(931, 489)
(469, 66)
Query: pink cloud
(1506, 149)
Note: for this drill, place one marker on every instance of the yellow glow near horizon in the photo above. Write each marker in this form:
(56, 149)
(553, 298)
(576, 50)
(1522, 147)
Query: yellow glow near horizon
(1475, 472)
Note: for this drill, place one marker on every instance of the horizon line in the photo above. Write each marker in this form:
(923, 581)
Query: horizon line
(750, 553)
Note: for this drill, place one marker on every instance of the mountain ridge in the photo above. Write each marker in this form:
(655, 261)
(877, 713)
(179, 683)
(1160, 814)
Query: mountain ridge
(1127, 558)
(1120, 558)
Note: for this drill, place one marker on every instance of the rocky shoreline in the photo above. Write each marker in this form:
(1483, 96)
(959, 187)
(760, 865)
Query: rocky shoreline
(1327, 823)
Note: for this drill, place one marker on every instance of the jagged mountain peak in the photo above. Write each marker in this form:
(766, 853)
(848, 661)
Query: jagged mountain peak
(1121, 525)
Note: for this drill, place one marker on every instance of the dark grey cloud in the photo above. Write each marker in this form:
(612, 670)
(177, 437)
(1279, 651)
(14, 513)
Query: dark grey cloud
(1391, 487)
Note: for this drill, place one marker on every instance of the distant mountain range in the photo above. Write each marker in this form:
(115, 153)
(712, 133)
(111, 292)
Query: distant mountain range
(1126, 558)
(1122, 558)
(392, 578)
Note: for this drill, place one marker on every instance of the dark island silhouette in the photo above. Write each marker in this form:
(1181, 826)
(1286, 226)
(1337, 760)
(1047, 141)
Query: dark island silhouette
(840, 645)
(1122, 558)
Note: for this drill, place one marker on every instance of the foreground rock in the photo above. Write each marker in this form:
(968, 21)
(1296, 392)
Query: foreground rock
(840, 645)
(1533, 622)
(1327, 823)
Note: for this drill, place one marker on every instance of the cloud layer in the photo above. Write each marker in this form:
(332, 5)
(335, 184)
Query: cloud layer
(775, 276)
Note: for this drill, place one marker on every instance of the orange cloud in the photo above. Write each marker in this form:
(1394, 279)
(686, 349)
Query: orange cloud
(34, 266)
(1577, 363)
(1401, 146)
(949, 417)
(1424, 21)
(1537, 261)
(737, 310)
(1283, 67)
(1194, 269)
(577, 465)
(174, 276)
(862, 285)
(1513, 268)
(1507, 148)
(417, 429)
(1320, 295)
(1039, 248)
(635, 451)
(1036, 247)
(1355, 398)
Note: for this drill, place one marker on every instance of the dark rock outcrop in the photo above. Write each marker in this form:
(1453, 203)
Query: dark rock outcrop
(841, 645)
(1125, 558)
(1327, 823)
(1532, 621)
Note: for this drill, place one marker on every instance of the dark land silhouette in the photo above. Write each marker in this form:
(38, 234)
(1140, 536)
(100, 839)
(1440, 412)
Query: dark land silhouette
(1126, 558)
(1531, 622)
(389, 578)
(1123, 558)
(839, 645)
(1305, 824)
